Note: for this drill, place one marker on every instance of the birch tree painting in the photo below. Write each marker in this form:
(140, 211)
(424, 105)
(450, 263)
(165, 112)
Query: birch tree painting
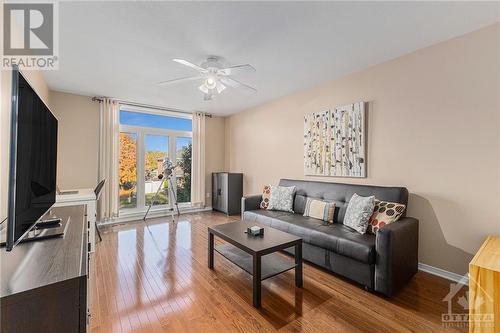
(334, 142)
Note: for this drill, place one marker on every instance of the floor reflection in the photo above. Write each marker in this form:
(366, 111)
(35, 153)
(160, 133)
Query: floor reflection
(153, 277)
(155, 259)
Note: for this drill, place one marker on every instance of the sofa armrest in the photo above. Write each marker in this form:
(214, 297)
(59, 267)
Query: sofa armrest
(250, 202)
(397, 255)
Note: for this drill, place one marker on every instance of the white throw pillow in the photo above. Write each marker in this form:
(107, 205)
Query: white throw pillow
(358, 212)
(282, 198)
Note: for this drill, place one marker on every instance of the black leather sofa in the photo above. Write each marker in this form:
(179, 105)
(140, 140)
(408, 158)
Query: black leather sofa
(382, 262)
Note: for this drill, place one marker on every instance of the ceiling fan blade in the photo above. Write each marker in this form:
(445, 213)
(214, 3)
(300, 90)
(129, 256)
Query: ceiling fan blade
(236, 84)
(179, 80)
(220, 87)
(189, 64)
(233, 70)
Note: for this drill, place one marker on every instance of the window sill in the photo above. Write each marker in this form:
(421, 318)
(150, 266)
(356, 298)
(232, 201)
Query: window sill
(134, 214)
(142, 210)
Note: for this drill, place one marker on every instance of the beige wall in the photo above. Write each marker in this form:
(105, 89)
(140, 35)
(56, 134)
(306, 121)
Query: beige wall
(433, 126)
(78, 140)
(214, 151)
(35, 78)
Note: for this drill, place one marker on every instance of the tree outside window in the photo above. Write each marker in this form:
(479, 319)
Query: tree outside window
(127, 174)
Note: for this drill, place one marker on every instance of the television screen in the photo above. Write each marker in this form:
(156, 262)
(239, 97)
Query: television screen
(33, 154)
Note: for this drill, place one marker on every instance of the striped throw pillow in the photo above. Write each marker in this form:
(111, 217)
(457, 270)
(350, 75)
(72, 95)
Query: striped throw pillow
(320, 210)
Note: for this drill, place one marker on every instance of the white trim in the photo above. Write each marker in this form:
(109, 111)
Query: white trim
(141, 132)
(140, 169)
(442, 273)
(155, 110)
(183, 206)
(154, 131)
(137, 216)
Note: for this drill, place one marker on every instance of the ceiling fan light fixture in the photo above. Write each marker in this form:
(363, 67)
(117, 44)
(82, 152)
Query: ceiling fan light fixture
(204, 88)
(215, 78)
(212, 87)
(211, 82)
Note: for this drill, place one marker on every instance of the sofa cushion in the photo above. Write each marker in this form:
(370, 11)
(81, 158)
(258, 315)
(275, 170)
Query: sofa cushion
(340, 194)
(384, 213)
(266, 194)
(334, 237)
(358, 212)
(281, 198)
(319, 209)
(263, 216)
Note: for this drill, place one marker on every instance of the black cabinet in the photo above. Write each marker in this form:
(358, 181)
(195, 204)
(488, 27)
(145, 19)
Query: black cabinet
(227, 190)
(43, 284)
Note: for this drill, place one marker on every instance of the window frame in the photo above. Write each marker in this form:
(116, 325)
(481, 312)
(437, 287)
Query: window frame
(140, 132)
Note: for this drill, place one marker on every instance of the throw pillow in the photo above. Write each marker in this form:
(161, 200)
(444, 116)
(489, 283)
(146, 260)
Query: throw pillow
(266, 194)
(385, 213)
(320, 210)
(358, 212)
(281, 198)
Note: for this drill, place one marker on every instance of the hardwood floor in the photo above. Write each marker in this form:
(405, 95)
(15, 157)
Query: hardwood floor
(153, 277)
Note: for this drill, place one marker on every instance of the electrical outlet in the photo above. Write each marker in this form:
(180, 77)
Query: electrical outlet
(208, 194)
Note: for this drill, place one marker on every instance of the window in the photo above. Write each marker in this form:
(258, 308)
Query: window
(147, 139)
(156, 152)
(183, 170)
(128, 170)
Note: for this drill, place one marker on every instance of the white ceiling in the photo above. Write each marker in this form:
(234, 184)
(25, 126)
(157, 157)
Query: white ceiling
(123, 49)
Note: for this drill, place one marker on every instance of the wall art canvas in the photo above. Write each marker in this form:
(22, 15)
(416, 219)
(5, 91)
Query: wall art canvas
(335, 142)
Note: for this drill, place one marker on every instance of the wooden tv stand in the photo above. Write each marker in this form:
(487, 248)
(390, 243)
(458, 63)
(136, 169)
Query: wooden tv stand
(44, 284)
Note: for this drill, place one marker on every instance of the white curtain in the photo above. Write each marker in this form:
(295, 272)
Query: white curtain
(198, 161)
(108, 158)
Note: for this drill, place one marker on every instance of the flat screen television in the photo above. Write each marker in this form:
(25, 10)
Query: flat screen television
(33, 156)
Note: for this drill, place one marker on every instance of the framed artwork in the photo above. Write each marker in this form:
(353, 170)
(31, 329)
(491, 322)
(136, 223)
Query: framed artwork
(335, 142)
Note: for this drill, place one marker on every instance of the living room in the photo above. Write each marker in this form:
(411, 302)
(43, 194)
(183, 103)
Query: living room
(250, 166)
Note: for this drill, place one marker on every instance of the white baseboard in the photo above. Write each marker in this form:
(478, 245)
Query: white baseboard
(444, 274)
(153, 214)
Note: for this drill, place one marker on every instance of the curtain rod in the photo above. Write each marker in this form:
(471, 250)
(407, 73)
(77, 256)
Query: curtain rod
(156, 107)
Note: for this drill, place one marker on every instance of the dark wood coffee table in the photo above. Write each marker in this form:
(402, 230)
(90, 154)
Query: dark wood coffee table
(255, 254)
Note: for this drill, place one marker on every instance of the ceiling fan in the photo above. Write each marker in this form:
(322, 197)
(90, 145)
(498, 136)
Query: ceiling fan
(215, 78)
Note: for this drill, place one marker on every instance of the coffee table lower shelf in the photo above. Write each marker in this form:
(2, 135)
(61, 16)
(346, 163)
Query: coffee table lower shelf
(271, 265)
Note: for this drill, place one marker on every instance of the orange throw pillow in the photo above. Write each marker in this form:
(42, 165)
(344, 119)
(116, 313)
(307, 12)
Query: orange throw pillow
(266, 194)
